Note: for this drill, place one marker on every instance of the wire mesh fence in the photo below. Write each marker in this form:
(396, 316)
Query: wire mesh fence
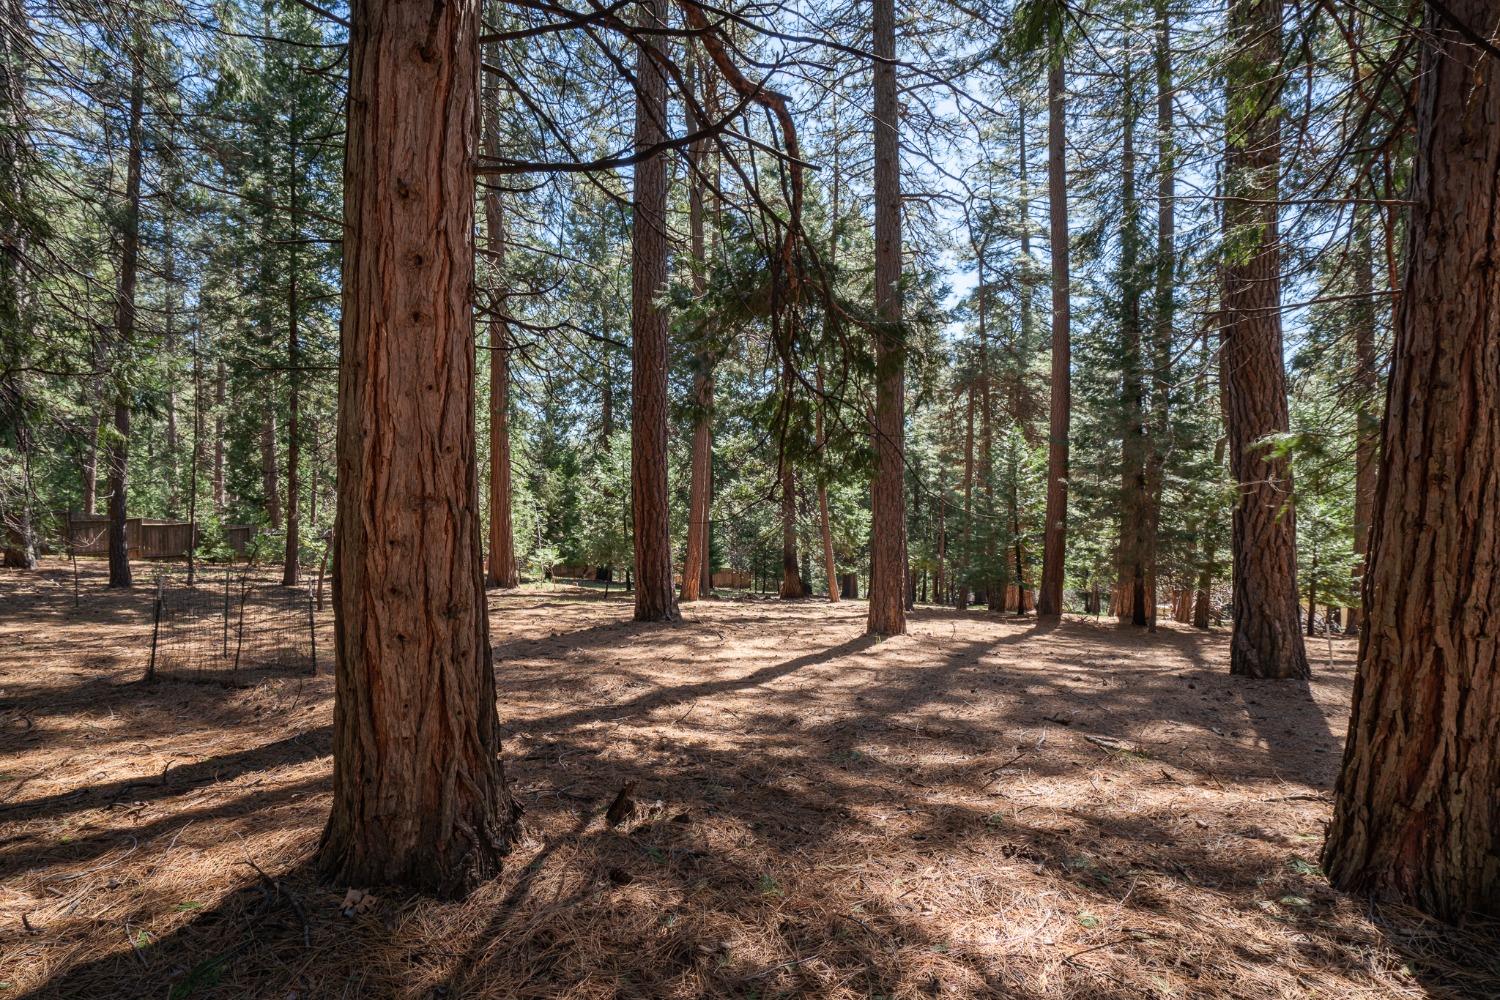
(230, 626)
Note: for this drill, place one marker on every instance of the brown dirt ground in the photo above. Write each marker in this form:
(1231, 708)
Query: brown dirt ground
(979, 808)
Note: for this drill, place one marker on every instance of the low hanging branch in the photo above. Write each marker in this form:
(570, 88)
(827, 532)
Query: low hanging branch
(749, 92)
(772, 101)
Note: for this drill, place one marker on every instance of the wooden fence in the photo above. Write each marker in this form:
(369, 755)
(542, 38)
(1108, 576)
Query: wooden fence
(145, 538)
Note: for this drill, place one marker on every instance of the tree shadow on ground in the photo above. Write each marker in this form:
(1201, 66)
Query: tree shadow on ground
(924, 816)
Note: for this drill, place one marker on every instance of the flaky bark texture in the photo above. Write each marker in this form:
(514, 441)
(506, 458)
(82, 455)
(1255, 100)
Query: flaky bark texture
(887, 495)
(1266, 640)
(419, 797)
(655, 599)
(1416, 815)
(1049, 598)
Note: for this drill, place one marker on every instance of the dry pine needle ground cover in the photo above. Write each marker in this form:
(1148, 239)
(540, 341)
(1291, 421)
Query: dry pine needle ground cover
(980, 808)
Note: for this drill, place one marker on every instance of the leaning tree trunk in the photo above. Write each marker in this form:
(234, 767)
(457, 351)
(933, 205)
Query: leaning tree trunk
(1415, 815)
(1049, 602)
(130, 244)
(502, 570)
(887, 495)
(419, 796)
(1266, 640)
(654, 596)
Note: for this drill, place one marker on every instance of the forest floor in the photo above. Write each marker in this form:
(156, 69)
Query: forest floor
(981, 808)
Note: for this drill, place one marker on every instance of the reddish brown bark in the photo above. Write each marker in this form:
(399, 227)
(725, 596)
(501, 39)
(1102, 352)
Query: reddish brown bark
(1415, 811)
(887, 494)
(218, 473)
(824, 524)
(1131, 547)
(1367, 385)
(1266, 641)
(696, 576)
(130, 242)
(1055, 532)
(419, 796)
(791, 580)
(291, 554)
(88, 462)
(1162, 329)
(655, 598)
(270, 476)
(501, 569)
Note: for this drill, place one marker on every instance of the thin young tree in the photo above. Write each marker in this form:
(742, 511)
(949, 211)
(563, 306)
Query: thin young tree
(1266, 641)
(887, 494)
(419, 795)
(1415, 816)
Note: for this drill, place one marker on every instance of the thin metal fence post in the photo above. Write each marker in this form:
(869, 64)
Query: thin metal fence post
(239, 642)
(155, 630)
(312, 633)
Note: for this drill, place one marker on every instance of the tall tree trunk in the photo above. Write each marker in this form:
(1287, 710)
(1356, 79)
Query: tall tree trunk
(1266, 640)
(963, 585)
(655, 598)
(88, 460)
(502, 570)
(1367, 384)
(169, 346)
(1055, 533)
(419, 796)
(791, 580)
(291, 557)
(14, 310)
(825, 526)
(219, 397)
(270, 475)
(1130, 553)
(994, 594)
(887, 495)
(700, 487)
(1165, 308)
(130, 242)
(1414, 814)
